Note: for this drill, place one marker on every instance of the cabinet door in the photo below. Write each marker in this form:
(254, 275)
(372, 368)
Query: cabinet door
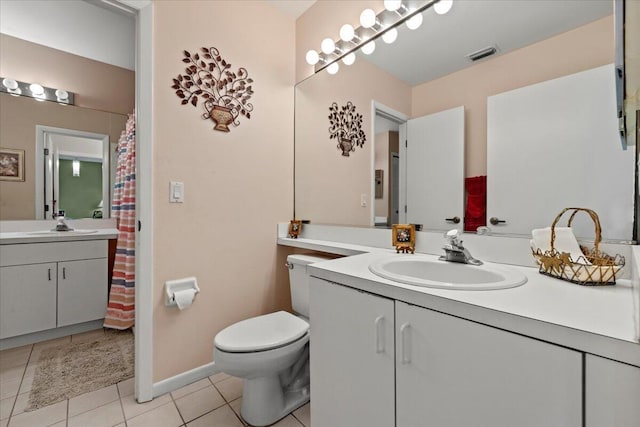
(82, 291)
(27, 299)
(612, 393)
(352, 357)
(453, 372)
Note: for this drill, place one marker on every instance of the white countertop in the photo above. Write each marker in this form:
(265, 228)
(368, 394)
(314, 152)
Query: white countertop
(601, 320)
(11, 238)
(38, 231)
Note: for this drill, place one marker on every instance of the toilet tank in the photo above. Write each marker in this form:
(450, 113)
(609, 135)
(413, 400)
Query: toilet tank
(299, 281)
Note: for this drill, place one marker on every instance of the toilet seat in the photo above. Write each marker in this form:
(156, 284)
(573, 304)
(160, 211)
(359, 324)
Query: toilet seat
(261, 333)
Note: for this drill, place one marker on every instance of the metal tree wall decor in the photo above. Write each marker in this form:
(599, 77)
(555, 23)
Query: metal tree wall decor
(346, 127)
(224, 93)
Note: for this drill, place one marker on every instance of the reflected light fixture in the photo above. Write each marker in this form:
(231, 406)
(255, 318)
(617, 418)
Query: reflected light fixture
(75, 166)
(369, 48)
(443, 6)
(372, 26)
(390, 36)
(349, 59)
(36, 91)
(414, 22)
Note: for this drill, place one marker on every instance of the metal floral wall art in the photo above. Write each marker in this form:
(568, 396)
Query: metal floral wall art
(224, 93)
(346, 127)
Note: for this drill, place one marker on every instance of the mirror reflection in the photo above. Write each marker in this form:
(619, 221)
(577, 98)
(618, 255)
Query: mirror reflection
(427, 71)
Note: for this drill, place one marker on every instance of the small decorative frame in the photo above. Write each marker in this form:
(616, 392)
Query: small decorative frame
(404, 237)
(295, 228)
(11, 164)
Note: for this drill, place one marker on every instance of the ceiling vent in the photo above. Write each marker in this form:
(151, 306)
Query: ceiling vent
(482, 53)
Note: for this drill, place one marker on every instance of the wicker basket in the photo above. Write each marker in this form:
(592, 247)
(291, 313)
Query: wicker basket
(593, 268)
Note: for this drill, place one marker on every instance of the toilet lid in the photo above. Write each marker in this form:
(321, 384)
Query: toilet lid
(261, 333)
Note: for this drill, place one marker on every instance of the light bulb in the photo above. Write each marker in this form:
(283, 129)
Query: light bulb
(443, 6)
(62, 95)
(333, 68)
(327, 46)
(10, 84)
(368, 18)
(312, 57)
(347, 32)
(36, 89)
(392, 5)
(390, 36)
(414, 22)
(368, 48)
(349, 59)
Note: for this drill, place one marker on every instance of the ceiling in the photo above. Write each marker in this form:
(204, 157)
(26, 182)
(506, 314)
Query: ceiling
(441, 45)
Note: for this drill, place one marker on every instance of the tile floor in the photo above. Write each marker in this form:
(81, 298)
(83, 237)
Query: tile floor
(210, 402)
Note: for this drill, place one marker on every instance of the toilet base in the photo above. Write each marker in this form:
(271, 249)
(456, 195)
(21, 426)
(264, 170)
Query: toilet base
(258, 411)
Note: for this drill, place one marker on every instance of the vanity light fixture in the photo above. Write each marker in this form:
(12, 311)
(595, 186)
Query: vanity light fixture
(372, 26)
(36, 91)
(75, 166)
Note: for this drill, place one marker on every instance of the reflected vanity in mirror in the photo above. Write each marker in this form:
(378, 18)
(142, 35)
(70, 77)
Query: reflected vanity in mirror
(428, 71)
(54, 137)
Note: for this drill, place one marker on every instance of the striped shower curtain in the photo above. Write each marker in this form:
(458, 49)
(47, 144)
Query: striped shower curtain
(121, 306)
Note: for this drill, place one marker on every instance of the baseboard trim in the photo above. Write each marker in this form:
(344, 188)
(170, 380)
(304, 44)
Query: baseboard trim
(183, 379)
(49, 334)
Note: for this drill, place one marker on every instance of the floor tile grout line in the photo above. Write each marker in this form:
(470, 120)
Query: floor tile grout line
(124, 416)
(15, 399)
(177, 408)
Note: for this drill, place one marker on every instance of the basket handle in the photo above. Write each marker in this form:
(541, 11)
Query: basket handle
(594, 218)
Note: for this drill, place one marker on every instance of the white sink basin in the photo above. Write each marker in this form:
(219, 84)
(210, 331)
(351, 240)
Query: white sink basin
(60, 233)
(432, 273)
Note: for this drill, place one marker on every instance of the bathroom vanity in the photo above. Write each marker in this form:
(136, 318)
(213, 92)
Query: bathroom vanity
(52, 284)
(545, 353)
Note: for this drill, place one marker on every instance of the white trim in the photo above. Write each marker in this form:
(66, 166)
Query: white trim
(196, 374)
(41, 144)
(144, 205)
(401, 118)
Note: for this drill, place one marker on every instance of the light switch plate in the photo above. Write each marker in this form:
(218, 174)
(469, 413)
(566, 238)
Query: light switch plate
(176, 192)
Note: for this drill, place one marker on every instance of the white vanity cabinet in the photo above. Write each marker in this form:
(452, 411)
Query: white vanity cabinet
(49, 285)
(352, 357)
(446, 371)
(453, 372)
(612, 393)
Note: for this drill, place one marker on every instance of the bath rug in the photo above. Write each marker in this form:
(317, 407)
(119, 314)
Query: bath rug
(69, 370)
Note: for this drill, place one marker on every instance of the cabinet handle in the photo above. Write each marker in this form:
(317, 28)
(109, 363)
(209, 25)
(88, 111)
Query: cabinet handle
(64, 272)
(49, 273)
(455, 220)
(405, 348)
(379, 334)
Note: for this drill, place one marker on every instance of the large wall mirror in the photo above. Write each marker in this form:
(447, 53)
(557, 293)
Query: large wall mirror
(56, 139)
(428, 71)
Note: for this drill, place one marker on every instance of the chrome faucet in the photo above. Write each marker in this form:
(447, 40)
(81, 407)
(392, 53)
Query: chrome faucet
(455, 252)
(61, 225)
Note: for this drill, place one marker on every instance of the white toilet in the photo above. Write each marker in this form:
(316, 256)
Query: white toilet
(271, 353)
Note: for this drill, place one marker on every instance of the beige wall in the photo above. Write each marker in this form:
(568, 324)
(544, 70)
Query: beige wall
(238, 185)
(586, 47)
(18, 119)
(329, 185)
(95, 84)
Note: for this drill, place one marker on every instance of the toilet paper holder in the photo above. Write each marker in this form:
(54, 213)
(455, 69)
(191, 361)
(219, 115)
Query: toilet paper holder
(173, 286)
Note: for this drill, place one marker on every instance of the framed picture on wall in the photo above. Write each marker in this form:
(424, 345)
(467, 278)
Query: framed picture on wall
(11, 164)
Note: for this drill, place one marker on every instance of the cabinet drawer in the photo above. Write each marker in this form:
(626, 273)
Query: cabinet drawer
(34, 253)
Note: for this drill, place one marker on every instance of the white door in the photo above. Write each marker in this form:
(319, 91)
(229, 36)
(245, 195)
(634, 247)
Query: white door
(82, 291)
(612, 393)
(394, 188)
(452, 372)
(435, 170)
(27, 299)
(352, 357)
